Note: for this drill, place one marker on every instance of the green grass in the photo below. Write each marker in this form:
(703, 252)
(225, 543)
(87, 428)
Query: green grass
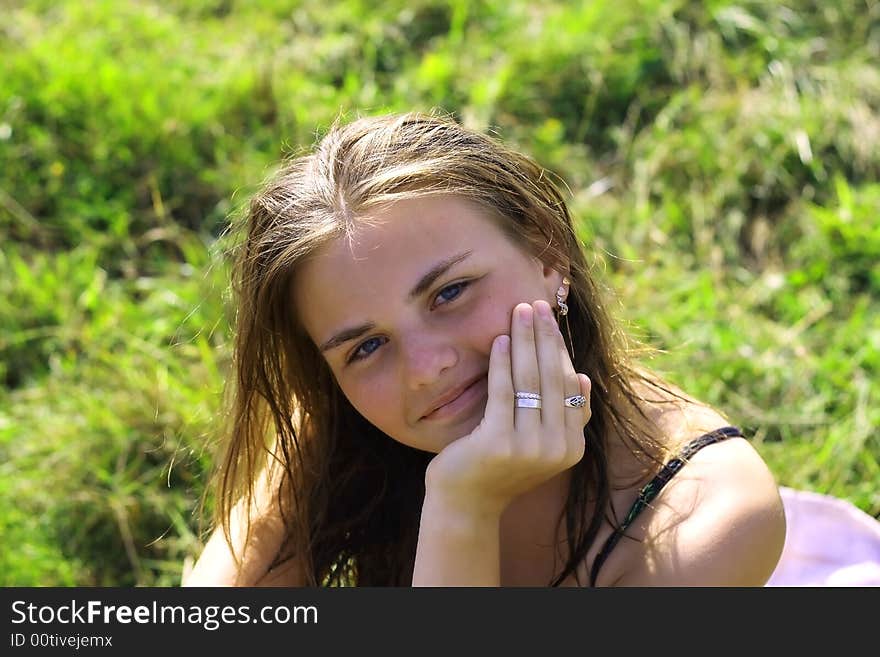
(723, 159)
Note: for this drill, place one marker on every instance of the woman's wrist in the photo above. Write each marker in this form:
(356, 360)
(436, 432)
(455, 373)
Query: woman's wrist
(460, 512)
(453, 500)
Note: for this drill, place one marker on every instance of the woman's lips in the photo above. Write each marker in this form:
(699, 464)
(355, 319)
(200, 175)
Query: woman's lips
(461, 404)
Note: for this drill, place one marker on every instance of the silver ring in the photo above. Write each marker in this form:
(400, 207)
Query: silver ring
(576, 401)
(526, 402)
(527, 395)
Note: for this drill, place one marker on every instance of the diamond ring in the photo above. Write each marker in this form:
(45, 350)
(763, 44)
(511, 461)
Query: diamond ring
(526, 402)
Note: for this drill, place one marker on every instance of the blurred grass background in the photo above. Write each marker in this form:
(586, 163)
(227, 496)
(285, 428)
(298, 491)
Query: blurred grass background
(723, 159)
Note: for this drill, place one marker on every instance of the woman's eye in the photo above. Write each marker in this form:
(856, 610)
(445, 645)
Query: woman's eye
(450, 292)
(444, 296)
(366, 348)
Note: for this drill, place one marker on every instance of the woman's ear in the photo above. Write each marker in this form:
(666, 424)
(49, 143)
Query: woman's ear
(556, 284)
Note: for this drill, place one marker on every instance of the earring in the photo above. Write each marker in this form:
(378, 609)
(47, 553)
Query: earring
(561, 294)
(562, 311)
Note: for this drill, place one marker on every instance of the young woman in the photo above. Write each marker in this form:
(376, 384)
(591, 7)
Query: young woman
(429, 391)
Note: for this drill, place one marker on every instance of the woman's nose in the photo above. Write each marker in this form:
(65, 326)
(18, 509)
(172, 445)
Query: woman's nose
(426, 358)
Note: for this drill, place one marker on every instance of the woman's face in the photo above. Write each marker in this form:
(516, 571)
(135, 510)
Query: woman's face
(406, 312)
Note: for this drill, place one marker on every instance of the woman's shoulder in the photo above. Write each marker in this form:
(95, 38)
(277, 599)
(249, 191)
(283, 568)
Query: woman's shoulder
(675, 417)
(718, 521)
(245, 552)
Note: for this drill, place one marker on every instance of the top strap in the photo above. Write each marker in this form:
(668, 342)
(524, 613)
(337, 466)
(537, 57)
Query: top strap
(653, 488)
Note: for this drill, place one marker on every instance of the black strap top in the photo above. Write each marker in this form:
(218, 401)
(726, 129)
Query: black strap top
(653, 488)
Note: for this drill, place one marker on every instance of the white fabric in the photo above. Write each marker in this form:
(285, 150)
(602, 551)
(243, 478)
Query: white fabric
(828, 542)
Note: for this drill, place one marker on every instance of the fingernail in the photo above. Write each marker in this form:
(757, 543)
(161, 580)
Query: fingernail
(543, 309)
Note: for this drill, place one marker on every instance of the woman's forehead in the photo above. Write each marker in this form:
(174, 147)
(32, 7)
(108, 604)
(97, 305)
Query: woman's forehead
(407, 231)
(384, 257)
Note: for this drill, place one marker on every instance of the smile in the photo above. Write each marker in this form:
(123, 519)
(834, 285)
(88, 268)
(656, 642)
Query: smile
(462, 404)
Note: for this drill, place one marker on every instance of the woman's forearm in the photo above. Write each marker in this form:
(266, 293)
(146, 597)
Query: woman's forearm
(457, 547)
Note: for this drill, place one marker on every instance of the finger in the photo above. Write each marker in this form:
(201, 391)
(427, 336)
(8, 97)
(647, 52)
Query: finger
(524, 365)
(576, 420)
(499, 407)
(586, 387)
(549, 369)
(573, 384)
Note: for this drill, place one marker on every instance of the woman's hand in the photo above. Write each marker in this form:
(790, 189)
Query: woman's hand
(515, 449)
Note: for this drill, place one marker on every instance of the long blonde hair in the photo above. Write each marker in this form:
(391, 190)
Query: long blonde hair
(352, 496)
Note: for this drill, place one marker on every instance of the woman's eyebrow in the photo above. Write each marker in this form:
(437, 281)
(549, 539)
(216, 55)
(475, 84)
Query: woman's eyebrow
(436, 272)
(345, 335)
(424, 283)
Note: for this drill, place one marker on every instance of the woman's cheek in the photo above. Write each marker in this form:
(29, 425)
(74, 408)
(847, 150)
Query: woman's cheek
(491, 320)
(370, 396)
